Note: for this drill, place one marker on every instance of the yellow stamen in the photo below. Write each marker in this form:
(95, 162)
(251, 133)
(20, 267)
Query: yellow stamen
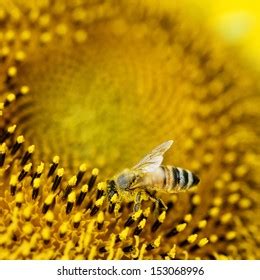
(203, 242)
(123, 234)
(181, 227)
(162, 216)
(192, 238)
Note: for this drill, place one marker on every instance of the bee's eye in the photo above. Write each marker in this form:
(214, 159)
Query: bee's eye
(124, 181)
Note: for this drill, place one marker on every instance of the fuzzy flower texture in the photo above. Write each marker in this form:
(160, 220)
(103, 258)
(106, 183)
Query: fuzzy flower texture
(87, 88)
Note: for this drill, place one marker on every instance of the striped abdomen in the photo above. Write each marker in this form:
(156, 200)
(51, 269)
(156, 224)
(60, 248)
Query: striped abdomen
(173, 179)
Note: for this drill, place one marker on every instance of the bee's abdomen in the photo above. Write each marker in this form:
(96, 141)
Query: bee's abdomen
(179, 179)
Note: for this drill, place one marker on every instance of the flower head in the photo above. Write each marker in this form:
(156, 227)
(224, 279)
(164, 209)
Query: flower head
(88, 89)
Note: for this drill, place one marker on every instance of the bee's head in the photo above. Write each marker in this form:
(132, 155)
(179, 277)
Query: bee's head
(125, 179)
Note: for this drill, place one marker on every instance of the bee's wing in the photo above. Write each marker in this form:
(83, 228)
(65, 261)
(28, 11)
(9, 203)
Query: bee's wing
(154, 159)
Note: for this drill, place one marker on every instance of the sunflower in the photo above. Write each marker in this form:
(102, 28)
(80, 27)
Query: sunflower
(88, 88)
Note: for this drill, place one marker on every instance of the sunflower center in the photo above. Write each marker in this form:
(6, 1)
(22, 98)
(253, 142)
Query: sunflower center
(107, 97)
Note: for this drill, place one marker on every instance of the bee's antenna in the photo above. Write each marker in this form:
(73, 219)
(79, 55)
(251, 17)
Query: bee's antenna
(111, 188)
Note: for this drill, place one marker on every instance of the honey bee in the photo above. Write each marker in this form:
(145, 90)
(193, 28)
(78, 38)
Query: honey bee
(148, 176)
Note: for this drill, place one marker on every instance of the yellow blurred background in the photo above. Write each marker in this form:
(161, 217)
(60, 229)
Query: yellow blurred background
(235, 21)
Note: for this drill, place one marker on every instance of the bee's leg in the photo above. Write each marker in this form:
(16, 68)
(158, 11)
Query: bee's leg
(162, 205)
(159, 204)
(138, 200)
